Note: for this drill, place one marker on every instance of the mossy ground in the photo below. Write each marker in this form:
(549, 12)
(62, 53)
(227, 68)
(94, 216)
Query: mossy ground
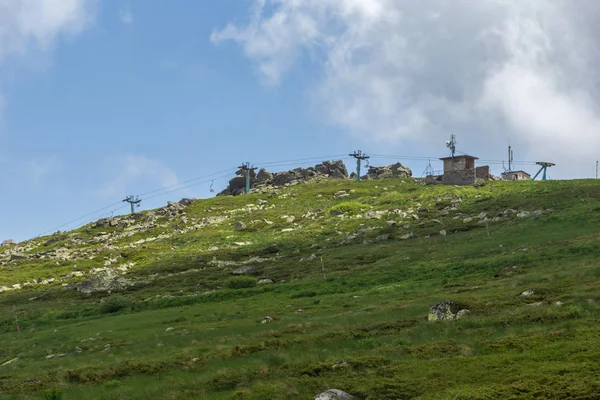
(370, 312)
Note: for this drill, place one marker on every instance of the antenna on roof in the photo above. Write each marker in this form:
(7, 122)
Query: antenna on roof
(510, 157)
(451, 144)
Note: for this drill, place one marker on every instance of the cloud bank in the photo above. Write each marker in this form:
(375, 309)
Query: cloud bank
(397, 71)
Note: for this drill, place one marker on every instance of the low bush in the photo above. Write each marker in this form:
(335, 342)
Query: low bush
(113, 304)
(241, 282)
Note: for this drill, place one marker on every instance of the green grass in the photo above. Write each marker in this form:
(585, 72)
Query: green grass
(370, 311)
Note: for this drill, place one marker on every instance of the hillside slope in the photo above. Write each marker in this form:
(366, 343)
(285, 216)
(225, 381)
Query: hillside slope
(316, 286)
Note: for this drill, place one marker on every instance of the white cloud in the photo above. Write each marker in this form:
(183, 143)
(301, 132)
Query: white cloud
(134, 173)
(40, 170)
(28, 26)
(126, 16)
(403, 70)
(38, 23)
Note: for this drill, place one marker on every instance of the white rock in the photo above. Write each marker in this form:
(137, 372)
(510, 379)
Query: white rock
(169, 329)
(267, 320)
(528, 293)
(14, 360)
(334, 394)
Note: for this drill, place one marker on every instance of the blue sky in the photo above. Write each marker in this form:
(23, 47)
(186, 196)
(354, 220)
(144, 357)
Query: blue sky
(101, 99)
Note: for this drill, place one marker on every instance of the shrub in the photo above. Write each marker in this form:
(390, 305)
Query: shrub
(114, 304)
(53, 394)
(348, 207)
(241, 282)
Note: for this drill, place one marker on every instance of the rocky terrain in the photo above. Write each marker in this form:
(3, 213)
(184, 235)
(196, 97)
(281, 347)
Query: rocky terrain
(313, 286)
(266, 182)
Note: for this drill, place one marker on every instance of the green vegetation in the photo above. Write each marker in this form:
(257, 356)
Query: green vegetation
(357, 321)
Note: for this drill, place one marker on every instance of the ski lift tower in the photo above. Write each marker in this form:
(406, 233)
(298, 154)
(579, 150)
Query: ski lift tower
(544, 166)
(133, 201)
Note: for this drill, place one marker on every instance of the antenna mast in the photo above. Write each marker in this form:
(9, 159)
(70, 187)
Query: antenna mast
(451, 144)
(429, 169)
(510, 158)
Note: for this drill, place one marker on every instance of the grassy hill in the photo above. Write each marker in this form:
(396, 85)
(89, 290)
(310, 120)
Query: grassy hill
(170, 303)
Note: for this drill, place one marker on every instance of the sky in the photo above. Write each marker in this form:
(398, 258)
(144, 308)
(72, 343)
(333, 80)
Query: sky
(162, 99)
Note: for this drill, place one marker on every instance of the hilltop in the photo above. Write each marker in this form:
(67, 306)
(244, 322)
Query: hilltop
(312, 285)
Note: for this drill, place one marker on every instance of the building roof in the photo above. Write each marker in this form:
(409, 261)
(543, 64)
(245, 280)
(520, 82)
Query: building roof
(514, 172)
(462, 156)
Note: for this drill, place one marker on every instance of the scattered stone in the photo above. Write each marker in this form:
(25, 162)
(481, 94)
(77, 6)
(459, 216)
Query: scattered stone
(524, 214)
(443, 232)
(51, 356)
(267, 320)
(446, 311)
(14, 360)
(334, 394)
(392, 223)
(538, 304)
(528, 293)
(343, 364)
(558, 303)
(169, 329)
(246, 269)
(265, 282)
(467, 220)
(422, 209)
(78, 350)
(195, 359)
(240, 226)
(298, 311)
(409, 235)
(462, 313)
(341, 193)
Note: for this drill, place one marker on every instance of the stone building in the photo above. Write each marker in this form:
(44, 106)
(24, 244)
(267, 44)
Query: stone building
(460, 170)
(516, 176)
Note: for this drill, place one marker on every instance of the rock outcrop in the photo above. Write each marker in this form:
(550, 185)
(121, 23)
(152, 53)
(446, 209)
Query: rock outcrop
(446, 311)
(388, 171)
(266, 181)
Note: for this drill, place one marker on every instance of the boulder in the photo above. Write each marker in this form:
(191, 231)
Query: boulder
(264, 176)
(245, 270)
(334, 394)
(104, 281)
(265, 282)
(446, 311)
(267, 320)
(240, 226)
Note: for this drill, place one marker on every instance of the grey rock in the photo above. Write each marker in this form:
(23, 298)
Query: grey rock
(240, 226)
(245, 270)
(527, 293)
(446, 311)
(170, 329)
(524, 214)
(334, 394)
(265, 282)
(267, 320)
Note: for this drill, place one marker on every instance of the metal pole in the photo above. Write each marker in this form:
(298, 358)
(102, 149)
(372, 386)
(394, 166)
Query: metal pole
(358, 170)
(596, 169)
(544, 177)
(247, 181)
(132, 208)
